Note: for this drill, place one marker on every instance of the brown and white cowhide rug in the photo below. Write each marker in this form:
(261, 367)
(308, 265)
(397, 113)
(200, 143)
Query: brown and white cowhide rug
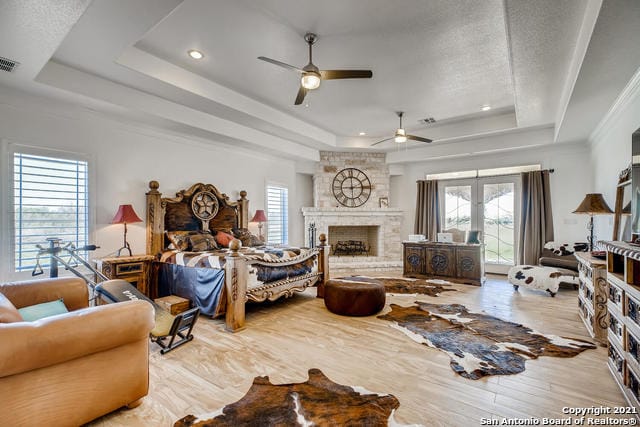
(401, 285)
(318, 401)
(479, 344)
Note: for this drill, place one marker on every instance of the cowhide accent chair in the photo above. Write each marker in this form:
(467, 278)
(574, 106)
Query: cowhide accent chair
(68, 369)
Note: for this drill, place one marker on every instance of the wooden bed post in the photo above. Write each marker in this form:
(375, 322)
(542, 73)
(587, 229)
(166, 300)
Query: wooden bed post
(323, 264)
(155, 220)
(236, 287)
(243, 208)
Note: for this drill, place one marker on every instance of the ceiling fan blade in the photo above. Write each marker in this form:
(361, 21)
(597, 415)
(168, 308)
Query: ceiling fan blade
(280, 64)
(384, 140)
(345, 74)
(302, 92)
(419, 138)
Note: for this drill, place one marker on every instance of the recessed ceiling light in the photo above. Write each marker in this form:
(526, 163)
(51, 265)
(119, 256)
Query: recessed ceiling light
(486, 107)
(362, 133)
(195, 54)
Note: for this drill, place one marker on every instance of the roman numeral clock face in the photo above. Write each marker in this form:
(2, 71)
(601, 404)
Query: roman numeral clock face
(351, 187)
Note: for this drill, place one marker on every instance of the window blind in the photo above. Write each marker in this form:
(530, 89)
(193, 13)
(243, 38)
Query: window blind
(50, 200)
(277, 215)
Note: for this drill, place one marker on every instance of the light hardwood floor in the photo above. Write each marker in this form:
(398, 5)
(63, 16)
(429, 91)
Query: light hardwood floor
(285, 339)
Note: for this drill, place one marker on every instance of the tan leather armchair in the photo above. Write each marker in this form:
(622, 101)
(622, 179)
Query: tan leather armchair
(69, 369)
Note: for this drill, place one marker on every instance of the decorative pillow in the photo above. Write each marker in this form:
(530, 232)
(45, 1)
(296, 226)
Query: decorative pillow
(255, 241)
(247, 238)
(40, 311)
(8, 312)
(201, 241)
(224, 239)
(565, 249)
(179, 239)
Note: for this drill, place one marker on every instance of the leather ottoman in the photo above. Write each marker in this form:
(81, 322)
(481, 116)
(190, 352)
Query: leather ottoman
(350, 298)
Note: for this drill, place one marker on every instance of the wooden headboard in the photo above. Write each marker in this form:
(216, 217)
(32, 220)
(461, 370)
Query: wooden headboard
(200, 207)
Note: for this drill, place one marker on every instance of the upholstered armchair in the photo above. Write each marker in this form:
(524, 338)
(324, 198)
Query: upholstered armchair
(70, 368)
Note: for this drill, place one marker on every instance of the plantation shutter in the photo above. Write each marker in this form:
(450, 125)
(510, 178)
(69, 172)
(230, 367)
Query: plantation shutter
(277, 215)
(50, 200)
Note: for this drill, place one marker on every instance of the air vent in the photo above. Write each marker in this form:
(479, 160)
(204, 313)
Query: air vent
(427, 121)
(8, 65)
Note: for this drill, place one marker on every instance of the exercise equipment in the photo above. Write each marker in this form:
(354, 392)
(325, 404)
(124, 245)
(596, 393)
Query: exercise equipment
(170, 331)
(168, 327)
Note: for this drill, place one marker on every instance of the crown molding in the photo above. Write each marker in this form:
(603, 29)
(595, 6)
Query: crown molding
(626, 97)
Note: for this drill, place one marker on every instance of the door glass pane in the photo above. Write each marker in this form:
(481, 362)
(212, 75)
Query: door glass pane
(457, 207)
(499, 233)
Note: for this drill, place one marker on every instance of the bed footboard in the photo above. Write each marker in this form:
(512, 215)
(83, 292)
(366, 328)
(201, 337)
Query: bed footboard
(236, 279)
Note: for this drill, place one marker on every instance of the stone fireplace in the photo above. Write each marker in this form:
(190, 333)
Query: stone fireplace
(378, 227)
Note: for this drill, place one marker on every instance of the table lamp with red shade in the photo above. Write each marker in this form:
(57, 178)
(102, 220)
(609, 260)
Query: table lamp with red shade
(260, 218)
(125, 215)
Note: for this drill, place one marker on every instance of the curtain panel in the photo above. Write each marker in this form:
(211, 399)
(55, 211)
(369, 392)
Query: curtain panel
(427, 209)
(536, 218)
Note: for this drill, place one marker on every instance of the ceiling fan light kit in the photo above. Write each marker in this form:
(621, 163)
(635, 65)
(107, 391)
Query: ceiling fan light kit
(312, 76)
(310, 80)
(401, 135)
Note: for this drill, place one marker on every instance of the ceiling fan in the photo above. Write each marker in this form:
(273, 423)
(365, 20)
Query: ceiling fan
(312, 75)
(401, 136)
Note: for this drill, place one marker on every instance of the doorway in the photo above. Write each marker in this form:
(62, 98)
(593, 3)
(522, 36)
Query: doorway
(490, 204)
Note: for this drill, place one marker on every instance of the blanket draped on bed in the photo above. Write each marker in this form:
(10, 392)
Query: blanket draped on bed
(203, 286)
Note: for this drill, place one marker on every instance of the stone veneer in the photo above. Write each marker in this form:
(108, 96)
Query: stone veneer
(332, 162)
(328, 212)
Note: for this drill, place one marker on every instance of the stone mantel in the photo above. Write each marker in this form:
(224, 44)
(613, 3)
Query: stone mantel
(351, 212)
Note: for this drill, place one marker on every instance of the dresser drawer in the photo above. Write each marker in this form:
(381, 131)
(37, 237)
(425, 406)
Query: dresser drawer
(616, 360)
(633, 345)
(616, 296)
(632, 309)
(616, 328)
(633, 383)
(586, 290)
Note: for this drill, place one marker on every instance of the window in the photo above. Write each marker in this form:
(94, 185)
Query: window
(50, 199)
(277, 215)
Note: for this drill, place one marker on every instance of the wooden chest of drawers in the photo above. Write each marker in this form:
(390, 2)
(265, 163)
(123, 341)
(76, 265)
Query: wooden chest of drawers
(134, 269)
(592, 295)
(457, 262)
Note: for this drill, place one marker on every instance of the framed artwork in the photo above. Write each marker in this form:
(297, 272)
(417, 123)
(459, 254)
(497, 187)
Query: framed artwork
(383, 202)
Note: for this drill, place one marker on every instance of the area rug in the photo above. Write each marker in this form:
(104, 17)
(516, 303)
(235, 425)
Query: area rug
(479, 344)
(318, 401)
(401, 285)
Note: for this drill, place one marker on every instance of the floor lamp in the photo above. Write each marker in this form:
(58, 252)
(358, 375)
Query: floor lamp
(593, 204)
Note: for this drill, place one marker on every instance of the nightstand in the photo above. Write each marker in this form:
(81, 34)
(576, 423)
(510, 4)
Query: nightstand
(134, 269)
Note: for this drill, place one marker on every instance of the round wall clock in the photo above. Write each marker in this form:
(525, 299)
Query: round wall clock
(351, 187)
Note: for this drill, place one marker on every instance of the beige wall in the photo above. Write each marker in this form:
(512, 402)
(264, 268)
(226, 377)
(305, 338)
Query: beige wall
(611, 149)
(124, 158)
(569, 183)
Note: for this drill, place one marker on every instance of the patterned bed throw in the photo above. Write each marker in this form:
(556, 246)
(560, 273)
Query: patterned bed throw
(267, 264)
(216, 259)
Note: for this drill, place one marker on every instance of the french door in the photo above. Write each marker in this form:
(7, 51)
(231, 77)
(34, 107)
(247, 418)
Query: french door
(490, 204)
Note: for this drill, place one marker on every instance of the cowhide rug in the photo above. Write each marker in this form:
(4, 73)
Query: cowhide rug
(479, 344)
(318, 401)
(400, 285)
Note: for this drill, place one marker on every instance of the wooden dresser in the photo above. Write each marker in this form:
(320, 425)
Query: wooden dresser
(623, 277)
(592, 295)
(457, 262)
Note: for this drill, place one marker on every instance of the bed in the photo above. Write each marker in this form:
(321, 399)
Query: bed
(222, 281)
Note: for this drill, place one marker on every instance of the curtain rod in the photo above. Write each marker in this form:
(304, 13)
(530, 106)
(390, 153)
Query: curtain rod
(552, 170)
